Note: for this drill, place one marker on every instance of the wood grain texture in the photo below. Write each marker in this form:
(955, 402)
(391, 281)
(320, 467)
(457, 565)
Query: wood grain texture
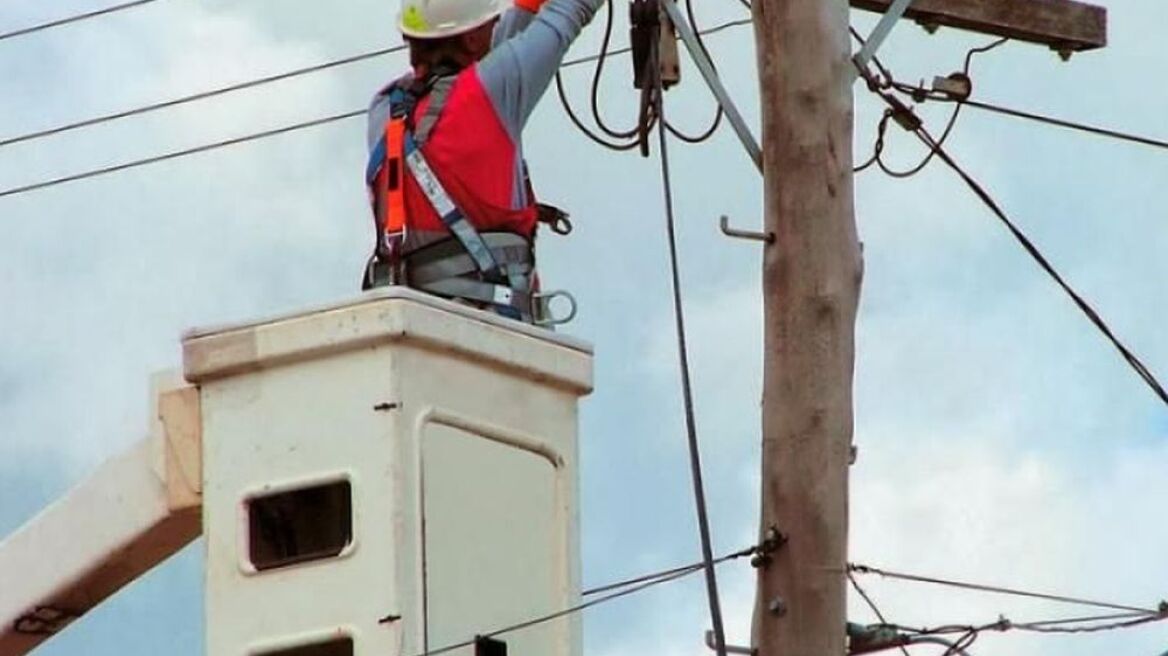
(1059, 24)
(811, 284)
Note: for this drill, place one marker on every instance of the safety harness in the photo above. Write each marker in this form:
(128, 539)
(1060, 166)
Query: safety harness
(494, 269)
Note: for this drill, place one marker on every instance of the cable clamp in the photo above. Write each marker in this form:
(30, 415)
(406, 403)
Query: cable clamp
(872, 638)
(904, 116)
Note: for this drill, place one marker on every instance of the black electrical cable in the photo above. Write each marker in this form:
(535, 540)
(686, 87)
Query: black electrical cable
(871, 604)
(621, 588)
(13, 191)
(981, 587)
(202, 95)
(718, 113)
(683, 362)
(742, 553)
(76, 18)
(596, 138)
(1063, 123)
(619, 51)
(600, 58)
(562, 613)
(949, 125)
(179, 153)
(1088, 311)
(596, 75)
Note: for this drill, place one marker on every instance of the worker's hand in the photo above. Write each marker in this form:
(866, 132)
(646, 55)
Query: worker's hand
(530, 5)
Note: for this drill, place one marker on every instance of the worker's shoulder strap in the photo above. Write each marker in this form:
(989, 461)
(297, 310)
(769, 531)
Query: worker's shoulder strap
(404, 96)
(439, 94)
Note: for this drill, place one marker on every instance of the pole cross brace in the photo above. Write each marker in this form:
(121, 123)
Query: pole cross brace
(880, 33)
(685, 31)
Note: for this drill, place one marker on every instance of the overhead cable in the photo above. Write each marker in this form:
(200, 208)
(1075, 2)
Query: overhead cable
(871, 604)
(968, 633)
(93, 173)
(905, 116)
(1071, 125)
(885, 81)
(981, 587)
(179, 153)
(718, 113)
(202, 95)
(76, 18)
(622, 589)
(683, 362)
(1137, 365)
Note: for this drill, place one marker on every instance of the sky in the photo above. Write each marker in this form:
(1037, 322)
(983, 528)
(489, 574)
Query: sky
(1001, 440)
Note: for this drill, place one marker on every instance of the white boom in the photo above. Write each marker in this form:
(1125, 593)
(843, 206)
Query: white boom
(130, 515)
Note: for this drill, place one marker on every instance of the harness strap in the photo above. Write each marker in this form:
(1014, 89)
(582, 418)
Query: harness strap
(403, 139)
(394, 220)
(502, 297)
(447, 259)
(439, 94)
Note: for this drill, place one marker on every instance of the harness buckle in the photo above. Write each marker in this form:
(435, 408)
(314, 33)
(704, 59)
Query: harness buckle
(542, 308)
(503, 295)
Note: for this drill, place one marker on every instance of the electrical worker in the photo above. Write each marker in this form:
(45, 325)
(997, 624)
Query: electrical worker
(453, 207)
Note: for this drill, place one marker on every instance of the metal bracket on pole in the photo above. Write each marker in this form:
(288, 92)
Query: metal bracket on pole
(724, 223)
(685, 31)
(730, 649)
(883, 28)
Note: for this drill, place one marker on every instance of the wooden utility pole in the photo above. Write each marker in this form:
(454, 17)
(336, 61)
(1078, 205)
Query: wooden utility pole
(811, 284)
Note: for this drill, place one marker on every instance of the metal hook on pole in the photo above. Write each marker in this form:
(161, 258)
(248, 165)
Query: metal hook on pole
(730, 649)
(724, 224)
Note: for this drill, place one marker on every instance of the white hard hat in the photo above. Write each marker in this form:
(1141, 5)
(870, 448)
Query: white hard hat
(437, 19)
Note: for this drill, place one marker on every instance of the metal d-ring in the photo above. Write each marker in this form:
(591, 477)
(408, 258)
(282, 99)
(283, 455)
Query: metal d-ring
(544, 299)
(724, 223)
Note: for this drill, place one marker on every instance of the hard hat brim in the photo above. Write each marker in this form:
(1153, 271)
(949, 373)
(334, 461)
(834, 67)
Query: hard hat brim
(444, 31)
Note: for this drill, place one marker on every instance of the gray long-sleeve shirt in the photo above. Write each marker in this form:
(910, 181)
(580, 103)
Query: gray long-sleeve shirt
(527, 50)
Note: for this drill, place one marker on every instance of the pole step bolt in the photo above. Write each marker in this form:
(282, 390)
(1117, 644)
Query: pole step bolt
(777, 606)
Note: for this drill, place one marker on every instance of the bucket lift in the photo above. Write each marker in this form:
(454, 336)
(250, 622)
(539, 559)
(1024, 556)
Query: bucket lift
(385, 476)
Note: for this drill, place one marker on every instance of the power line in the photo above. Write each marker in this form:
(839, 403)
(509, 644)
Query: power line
(203, 95)
(981, 587)
(623, 588)
(871, 604)
(909, 120)
(72, 19)
(179, 153)
(1088, 311)
(969, 633)
(278, 77)
(887, 81)
(683, 360)
(600, 58)
(93, 173)
(742, 553)
(1063, 123)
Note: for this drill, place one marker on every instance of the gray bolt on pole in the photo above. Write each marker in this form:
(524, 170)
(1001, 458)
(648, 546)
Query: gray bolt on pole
(811, 287)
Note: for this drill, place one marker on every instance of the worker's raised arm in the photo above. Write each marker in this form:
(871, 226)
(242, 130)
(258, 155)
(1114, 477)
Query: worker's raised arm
(519, 69)
(512, 22)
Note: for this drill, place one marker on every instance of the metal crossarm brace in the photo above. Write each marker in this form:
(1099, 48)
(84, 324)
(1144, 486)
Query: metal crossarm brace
(883, 28)
(685, 31)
